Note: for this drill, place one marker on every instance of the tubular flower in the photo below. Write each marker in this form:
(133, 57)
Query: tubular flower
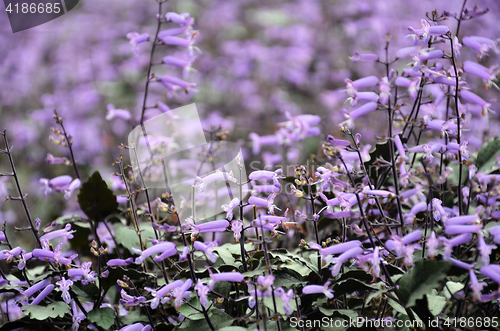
(315, 289)
(210, 226)
(208, 249)
(64, 286)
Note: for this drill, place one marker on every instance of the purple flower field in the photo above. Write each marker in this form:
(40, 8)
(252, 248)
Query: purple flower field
(251, 165)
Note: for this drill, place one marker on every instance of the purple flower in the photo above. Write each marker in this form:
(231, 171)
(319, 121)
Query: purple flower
(50, 159)
(8, 255)
(258, 142)
(202, 291)
(229, 208)
(210, 226)
(208, 249)
(66, 233)
(215, 176)
(495, 232)
(492, 271)
(64, 287)
(233, 276)
(75, 184)
(481, 44)
(184, 64)
(427, 31)
(45, 253)
(136, 39)
(485, 250)
(237, 227)
(129, 300)
(158, 295)
(165, 249)
(171, 81)
(76, 317)
(267, 175)
(338, 261)
(181, 293)
(357, 57)
(487, 75)
(385, 90)
(181, 19)
(26, 294)
(432, 244)
(57, 184)
(119, 262)
(46, 291)
(84, 271)
(450, 243)
(285, 297)
(475, 99)
(316, 289)
(338, 248)
(358, 112)
(352, 87)
(118, 113)
(476, 286)
(398, 244)
(457, 229)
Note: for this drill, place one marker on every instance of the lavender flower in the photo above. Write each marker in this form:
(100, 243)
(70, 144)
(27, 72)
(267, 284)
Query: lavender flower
(158, 295)
(118, 113)
(58, 184)
(119, 262)
(66, 233)
(64, 286)
(338, 261)
(136, 39)
(315, 289)
(450, 243)
(46, 291)
(229, 208)
(129, 300)
(233, 276)
(492, 271)
(180, 293)
(476, 286)
(237, 227)
(84, 272)
(211, 226)
(208, 249)
(265, 175)
(26, 294)
(164, 249)
(202, 291)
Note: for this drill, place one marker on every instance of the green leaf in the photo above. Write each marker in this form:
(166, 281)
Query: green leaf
(351, 285)
(233, 328)
(103, 317)
(56, 309)
(218, 318)
(452, 288)
(95, 198)
(225, 254)
(268, 302)
(421, 279)
(486, 157)
(396, 306)
(127, 237)
(436, 303)
(88, 292)
(287, 278)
